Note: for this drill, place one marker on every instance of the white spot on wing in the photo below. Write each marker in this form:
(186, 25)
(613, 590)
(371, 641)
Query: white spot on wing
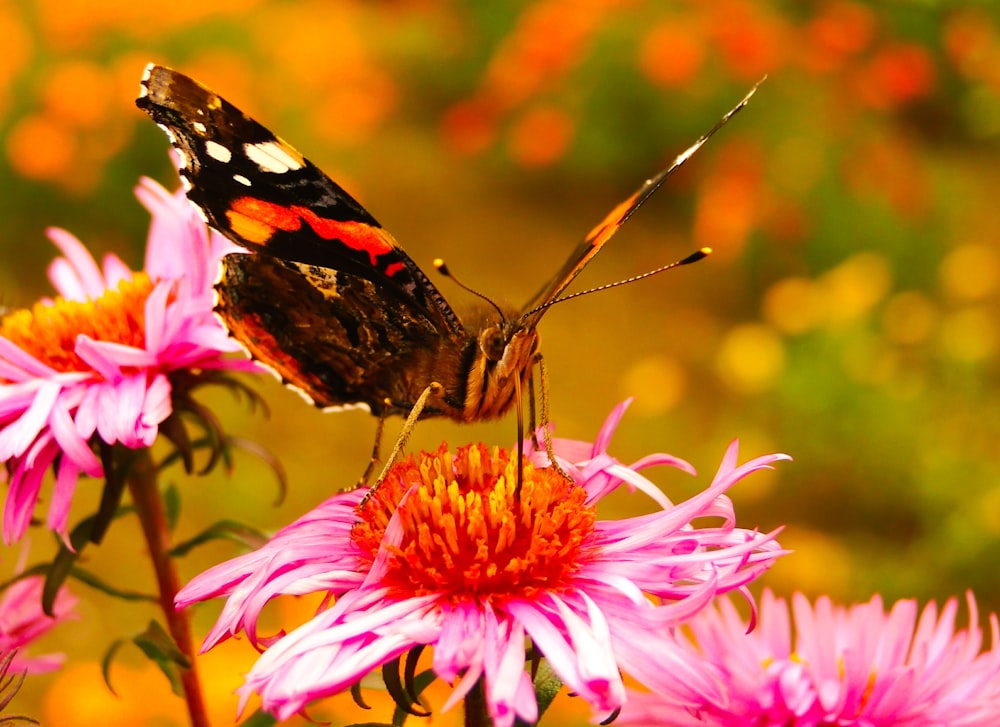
(199, 127)
(144, 83)
(169, 132)
(242, 180)
(218, 152)
(271, 157)
(360, 406)
(684, 156)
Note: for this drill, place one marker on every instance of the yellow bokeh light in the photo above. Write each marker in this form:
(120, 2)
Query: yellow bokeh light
(750, 358)
(854, 287)
(909, 318)
(819, 564)
(80, 696)
(971, 272)
(657, 382)
(969, 335)
(793, 305)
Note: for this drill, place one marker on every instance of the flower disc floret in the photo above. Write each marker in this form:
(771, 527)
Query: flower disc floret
(48, 330)
(468, 534)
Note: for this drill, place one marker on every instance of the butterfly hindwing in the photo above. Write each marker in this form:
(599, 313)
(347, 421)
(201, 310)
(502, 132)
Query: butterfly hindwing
(329, 334)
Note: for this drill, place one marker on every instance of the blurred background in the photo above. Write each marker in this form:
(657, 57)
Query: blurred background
(848, 316)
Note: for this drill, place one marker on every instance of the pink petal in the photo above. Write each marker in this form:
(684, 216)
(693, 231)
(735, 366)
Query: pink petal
(19, 363)
(83, 279)
(15, 438)
(108, 358)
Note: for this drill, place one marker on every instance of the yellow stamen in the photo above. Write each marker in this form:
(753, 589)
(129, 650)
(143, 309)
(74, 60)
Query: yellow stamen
(48, 331)
(465, 534)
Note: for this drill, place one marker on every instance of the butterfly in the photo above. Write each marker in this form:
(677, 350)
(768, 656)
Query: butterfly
(327, 298)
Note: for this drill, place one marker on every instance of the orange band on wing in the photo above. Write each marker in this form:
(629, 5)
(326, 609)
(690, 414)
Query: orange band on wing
(607, 227)
(255, 220)
(267, 213)
(356, 235)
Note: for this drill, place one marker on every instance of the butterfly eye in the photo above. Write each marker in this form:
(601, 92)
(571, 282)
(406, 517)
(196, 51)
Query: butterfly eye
(492, 343)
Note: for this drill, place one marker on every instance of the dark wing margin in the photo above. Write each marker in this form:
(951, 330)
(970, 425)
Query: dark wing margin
(260, 192)
(606, 228)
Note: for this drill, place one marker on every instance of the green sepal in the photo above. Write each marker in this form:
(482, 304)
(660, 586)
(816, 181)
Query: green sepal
(260, 718)
(156, 644)
(547, 686)
(222, 530)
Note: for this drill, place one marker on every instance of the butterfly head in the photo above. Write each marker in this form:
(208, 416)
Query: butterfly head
(504, 355)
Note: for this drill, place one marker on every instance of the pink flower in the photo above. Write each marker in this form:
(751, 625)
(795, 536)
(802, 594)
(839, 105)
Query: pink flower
(22, 621)
(448, 554)
(849, 666)
(99, 361)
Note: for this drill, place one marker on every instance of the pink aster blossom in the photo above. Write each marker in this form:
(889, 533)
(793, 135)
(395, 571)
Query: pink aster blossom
(98, 361)
(22, 622)
(448, 554)
(846, 666)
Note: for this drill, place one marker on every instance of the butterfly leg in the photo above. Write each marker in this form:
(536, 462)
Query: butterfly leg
(434, 388)
(543, 383)
(376, 453)
(532, 408)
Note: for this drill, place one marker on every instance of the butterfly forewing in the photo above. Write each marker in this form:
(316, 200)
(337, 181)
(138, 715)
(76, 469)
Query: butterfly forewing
(603, 231)
(264, 195)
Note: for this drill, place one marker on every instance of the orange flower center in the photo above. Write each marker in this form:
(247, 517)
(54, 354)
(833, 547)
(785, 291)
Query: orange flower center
(467, 536)
(48, 331)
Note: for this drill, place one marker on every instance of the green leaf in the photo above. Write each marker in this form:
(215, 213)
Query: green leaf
(58, 571)
(93, 581)
(260, 718)
(109, 656)
(357, 696)
(420, 683)
(117, 462)
(172, 428)
(261, 453)
(547, 686)
(222, 530)
(161, 649)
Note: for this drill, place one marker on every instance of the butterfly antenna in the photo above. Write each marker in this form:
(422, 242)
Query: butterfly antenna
(442, 268)
(692, 258)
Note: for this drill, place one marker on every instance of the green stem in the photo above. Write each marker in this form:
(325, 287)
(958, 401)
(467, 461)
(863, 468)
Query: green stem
(475, 708)
(142, 484)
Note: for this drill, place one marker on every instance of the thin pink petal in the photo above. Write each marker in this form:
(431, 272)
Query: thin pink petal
(88, 279)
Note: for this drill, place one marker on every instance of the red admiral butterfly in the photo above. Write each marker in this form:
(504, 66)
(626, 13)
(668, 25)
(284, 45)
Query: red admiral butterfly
(330, 300)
